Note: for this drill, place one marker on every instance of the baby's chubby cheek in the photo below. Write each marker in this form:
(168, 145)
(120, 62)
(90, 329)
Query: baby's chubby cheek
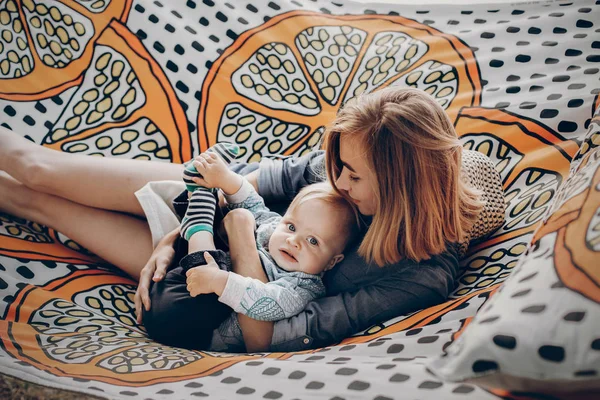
(274, 245)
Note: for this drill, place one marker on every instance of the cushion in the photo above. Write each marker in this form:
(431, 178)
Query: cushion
(539, 332)
(480, 172)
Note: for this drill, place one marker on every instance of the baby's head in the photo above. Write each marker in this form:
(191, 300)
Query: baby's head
(315, 230)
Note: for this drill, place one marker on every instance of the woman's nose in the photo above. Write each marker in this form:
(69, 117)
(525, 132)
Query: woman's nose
(342, 182)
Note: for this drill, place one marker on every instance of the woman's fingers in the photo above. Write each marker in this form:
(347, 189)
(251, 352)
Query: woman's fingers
(138, 306)
(146, 299)
(162, 264)
(148, 269)
(141, 299)
(160, 272)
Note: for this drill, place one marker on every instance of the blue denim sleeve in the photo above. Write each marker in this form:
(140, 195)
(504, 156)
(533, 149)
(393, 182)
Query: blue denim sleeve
(403, 288)
(282, 179)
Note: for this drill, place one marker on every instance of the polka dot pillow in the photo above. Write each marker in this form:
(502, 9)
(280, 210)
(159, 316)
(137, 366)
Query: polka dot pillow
(541, 331)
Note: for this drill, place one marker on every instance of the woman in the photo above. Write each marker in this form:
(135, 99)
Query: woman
(394, 153)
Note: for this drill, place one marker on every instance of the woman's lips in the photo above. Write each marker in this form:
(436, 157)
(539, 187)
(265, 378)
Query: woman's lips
(287, 256)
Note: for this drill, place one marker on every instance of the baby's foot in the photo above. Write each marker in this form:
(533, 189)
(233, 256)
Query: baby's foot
(227, 151)
(200, 214)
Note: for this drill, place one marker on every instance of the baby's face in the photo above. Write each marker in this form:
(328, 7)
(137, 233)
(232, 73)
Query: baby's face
(309, 238)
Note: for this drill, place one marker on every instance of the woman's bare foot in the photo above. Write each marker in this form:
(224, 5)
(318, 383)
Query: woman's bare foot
(13, 151)
(14, 196)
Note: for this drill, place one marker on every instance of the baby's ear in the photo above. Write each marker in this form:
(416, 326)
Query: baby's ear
(334, 260)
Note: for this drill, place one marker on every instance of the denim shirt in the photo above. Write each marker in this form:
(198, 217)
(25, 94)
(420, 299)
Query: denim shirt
(359, 294)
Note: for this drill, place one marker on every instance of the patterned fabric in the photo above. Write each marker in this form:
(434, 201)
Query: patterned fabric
(540, 331)
(481, 174)
(159, 80)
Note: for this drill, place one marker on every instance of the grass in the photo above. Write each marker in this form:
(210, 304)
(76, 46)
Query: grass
(18, 389)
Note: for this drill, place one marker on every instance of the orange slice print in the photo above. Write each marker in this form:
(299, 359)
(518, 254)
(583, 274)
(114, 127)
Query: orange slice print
(125, 106)
(83, 326)
(592, 137)
(576, 220)
(276, 88)
(44, 47)
(577, 250)
(532, 161)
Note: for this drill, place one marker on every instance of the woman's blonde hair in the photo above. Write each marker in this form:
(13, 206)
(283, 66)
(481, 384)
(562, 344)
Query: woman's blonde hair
(414, 152)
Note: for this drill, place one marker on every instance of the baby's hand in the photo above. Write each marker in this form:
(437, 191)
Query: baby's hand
(216, 174)
(206, 278)
(212, 168)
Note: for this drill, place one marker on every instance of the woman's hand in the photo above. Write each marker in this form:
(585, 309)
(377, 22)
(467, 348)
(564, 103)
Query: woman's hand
(154, 270)
(207, 278)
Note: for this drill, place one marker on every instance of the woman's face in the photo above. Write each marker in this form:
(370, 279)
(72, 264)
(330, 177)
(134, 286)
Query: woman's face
(356, 177)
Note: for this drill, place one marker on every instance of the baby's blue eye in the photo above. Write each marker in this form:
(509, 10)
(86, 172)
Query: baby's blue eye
(291, 227)
(313, 241)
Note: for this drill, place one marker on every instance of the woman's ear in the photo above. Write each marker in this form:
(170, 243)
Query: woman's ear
(333, 261)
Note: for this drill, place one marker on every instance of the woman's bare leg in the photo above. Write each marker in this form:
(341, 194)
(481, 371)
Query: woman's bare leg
(101, 182)
(120, 239)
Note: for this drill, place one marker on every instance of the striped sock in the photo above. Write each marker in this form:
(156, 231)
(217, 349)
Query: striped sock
(200, 214)
(227, 151)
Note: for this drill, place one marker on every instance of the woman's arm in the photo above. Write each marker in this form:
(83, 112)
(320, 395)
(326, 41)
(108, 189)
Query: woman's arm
(279, 180)
(246, 262)
(252, 177)
(331, 319)
(361, 295)
(154, 270)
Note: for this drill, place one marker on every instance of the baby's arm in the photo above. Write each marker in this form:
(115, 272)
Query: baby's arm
(270, 301)
(240, 226)
(247, 197)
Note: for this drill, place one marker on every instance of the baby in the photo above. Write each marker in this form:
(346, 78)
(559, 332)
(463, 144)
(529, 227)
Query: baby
(294, 249)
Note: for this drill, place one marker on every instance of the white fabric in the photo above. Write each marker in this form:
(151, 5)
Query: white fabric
(156, 199)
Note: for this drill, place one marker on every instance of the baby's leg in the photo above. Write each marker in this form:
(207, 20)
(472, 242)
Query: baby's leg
(102, 182)
(200, 215)
(199, 220)
(178, 319)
